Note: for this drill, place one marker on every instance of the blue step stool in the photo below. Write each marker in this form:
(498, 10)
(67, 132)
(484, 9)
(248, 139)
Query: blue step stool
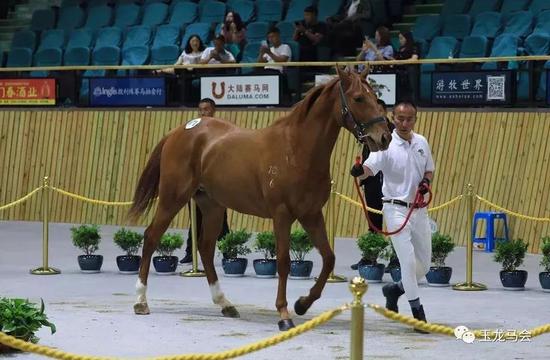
(488, 242)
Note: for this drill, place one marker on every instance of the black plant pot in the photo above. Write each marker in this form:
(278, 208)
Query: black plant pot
(165, 265)
(373, 273)
(265, 268)
(90, 263)
(544, 278)
(234, 267)
(439, 275)
(395, 274)
(513, 280)
(128, 264)
(301, 269)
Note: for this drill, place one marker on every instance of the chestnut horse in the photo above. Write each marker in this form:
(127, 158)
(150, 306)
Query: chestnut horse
(281, 172)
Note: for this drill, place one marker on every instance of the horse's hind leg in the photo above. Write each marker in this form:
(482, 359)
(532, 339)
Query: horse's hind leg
(167, 208)
(212, 221)
(281, 227)
(314, 225)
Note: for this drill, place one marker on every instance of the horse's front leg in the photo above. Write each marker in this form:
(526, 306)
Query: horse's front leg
(281, 228)
(314, 225)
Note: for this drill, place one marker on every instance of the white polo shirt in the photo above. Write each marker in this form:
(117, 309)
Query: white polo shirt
(403, 165)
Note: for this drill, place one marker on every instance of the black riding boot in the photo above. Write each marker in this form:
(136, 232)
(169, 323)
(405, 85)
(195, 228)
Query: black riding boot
(392, 292)
(418, 314)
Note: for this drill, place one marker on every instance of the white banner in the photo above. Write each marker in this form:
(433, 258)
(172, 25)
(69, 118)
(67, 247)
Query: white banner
(384, 85)
(241, 90)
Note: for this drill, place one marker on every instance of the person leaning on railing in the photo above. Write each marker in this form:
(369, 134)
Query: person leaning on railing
(407, 74)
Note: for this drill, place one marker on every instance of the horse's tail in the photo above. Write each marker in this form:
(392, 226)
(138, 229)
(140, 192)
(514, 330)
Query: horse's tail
(148, 185)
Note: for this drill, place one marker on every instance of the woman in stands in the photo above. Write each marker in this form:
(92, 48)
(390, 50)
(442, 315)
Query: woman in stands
(190, 55)
(233, 29)
(382, 50)
(407, 74)
(407, 47)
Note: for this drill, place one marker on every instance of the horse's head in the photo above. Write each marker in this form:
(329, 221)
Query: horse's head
(360, 111)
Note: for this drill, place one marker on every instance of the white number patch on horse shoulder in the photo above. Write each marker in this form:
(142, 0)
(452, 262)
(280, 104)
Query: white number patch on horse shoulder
(192, 123)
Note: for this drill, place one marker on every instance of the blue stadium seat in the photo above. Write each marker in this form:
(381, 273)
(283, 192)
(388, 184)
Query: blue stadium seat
(80, 38)
(42, 19)
(166, 35)
(457, 25)
(519, 23)
(542, 25)
(510, 6)
(211, 11)
(451, 7)
(245, 8)
(127, 15)
(287, 30)
(19, 57)
(504, 45)
(328, 8)
(296, 8)
(487, 24)
(201, 29)
(183, 13)
(102, 56)
(71, 17)
(77, 56)
(46, 57)
(441, 47)
(154, 14)
(474, 46)
(269, 10)
(479, 6)
(53, 38)
(136, 55)
(425, 29)
(535, 44)
(109, 36)
(165, 54)
(24, 39)
(250, 55)
(537, 6)
(137, 36)
(99, 16)
(257, 31)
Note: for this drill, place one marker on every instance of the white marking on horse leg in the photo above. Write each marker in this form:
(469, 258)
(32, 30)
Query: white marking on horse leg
(141, 289)
(218, 297)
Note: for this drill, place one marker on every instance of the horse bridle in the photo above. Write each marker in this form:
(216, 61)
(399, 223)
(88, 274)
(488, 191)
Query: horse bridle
(358, 129)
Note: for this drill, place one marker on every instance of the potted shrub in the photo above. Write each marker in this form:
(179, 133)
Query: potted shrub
(265, 243)
(87, 238)
(166, 263)
(232, 245)
(300, 246)
(511, 254)
(393, 267)
(544, 277)
(22, 319)
(372, 245)
(130, 242)
(439, 274)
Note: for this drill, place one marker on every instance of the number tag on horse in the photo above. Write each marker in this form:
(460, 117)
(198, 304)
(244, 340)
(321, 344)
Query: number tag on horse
(192, 123)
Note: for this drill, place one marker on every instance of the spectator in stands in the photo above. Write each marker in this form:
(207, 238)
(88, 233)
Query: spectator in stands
(217, 54)
(407, 75)
(382, 50)
(234, 30)
(309, 33)
(190, 55)
(346, 29)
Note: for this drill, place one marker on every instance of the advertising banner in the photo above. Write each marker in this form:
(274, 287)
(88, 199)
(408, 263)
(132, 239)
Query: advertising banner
(472, 88)
(39, 91)
(241, 90)
(128, 91)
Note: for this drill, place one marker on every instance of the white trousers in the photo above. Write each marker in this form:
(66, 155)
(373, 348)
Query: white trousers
(413, 245)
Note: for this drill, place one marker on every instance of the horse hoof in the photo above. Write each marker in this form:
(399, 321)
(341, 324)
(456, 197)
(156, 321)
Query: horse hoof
(141, 309)
(231, 312)
(299, 308)
(285, 324)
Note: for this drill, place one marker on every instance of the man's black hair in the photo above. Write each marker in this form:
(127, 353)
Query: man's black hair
(407, 103)
(209, 101)
(274, 29)
(312, 9)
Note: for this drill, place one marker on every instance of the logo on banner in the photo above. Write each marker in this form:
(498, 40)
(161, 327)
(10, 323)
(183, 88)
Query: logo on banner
(214, 93)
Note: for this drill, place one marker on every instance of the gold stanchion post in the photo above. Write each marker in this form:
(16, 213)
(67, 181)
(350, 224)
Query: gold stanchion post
(331, 219)
(469, 285)
(194, 272)
(358, 287)
(45, 269)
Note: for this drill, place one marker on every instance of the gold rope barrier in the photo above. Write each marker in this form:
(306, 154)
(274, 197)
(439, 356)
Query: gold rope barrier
(229, 354)
(21, 200)
(90, 200)
(510, 212)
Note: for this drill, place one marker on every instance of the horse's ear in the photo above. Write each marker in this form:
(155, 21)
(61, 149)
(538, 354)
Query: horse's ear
(344, 76)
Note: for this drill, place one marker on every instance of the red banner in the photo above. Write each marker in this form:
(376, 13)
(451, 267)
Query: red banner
(27, 92)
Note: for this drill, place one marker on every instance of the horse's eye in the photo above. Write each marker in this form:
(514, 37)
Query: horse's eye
(358, 99)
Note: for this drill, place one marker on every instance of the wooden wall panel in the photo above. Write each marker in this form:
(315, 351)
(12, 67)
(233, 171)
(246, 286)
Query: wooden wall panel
(100, 154)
